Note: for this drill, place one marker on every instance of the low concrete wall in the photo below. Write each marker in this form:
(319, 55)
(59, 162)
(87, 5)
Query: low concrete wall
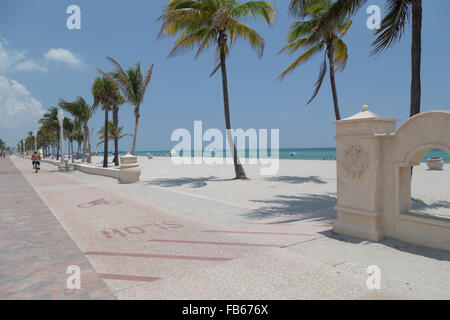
(107, 172)
(55, 162)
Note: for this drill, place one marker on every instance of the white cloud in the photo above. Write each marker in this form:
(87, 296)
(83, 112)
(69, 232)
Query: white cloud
(28, 65)
(17, 107)
(15, 60)
(12, 60)
(61, 55)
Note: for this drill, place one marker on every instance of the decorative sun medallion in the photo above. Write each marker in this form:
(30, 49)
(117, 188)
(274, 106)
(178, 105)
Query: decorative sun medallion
(355, 161)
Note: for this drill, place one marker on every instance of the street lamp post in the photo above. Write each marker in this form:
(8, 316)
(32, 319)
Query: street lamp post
(35, 140)
(61, 135)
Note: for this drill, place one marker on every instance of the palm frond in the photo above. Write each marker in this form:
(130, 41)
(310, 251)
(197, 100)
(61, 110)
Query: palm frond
(121, 77)
(343, 30)
(322, 73)
(339, 10)
(294, 45)
(107, 75)
(237, 29)
(301, 8)
(189, 40)
(144, 85)
(255, 10)
(392, 25)
(301, 29)
(209, 40)
(215, 70)
(341, 54)
(181, 19)
(302, 58)
(198, 24)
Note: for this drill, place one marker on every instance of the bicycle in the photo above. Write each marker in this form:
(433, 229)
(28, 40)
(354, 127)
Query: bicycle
(36, 167)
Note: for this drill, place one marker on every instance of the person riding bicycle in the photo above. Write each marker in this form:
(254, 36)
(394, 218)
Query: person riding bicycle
(36, 159)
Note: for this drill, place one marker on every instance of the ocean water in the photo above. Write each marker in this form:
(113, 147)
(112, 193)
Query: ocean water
(292, 153)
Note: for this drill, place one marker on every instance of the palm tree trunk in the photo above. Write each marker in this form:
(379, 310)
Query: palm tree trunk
(86, 130)
(416, 52)
(105, 147)
(136, 122)
(71, 150)
(330, 53)
(239, 170)
(79, 148)
(116, 138)
(84, 148)
(89, 144)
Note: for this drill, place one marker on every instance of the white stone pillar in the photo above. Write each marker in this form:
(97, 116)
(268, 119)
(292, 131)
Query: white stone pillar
(359, 155)
(129, 169)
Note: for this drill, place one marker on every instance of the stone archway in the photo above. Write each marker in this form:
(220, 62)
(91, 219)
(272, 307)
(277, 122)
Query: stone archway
(376, 201)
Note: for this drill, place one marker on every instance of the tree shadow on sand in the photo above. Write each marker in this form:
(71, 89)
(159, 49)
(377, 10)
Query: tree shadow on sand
(296, 180)
(391, 243)
(193, 182)
(417, 204)
(318, 206)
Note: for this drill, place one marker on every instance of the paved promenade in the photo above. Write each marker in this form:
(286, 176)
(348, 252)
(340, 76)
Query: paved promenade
(35, 250)
(141, 251)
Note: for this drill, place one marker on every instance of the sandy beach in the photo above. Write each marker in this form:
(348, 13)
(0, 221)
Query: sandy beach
(302, 189)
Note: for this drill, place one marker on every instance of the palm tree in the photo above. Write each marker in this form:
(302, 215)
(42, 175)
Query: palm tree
(111, 133)
(29, 140)
(133, 85)
(2, 145)
(391, 31)
(69, 131)
(83, 112)
(51, 123)
(78, 135)
(305, 34)
(44, 136)
(107, 94)
(203, 24)
(49, 138)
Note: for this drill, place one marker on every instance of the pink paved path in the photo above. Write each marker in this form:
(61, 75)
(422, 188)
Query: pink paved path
(143, 252)
(35, 250)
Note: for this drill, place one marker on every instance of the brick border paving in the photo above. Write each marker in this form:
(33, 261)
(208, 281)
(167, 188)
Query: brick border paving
(35, 250)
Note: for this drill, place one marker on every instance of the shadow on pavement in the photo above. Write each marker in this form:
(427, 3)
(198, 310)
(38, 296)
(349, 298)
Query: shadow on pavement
(296, 180)
(319, 206)
(417, 204)
(193, 182)
(394, 244)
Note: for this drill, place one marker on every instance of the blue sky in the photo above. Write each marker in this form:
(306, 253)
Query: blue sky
(42, 61)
